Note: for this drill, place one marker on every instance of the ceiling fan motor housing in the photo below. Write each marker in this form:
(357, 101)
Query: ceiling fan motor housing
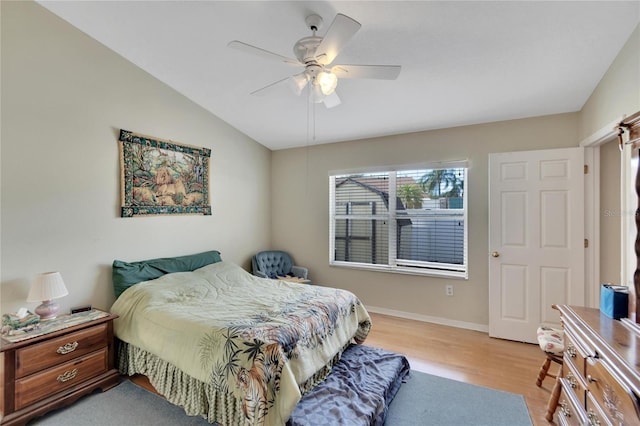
(305, 49)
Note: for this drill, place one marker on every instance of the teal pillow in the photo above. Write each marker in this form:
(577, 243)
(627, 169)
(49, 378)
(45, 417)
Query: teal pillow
(126, 274)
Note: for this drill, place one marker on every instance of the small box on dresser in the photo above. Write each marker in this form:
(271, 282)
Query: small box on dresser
(54, 369)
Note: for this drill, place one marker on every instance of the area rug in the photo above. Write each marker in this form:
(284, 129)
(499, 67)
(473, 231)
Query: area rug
(423, 400)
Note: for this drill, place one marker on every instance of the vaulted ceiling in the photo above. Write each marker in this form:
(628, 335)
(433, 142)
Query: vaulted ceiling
(462, 62)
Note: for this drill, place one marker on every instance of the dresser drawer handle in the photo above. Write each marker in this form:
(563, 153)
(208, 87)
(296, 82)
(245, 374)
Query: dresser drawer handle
(593, 418)
(69, 347)
(591, 379)
(572, 380)
(564, 409)
(571, 350)
(68, 375)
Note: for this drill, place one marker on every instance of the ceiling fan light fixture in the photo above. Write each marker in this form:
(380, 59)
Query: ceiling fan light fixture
(316, 95)
(297, 83)
(327, 82)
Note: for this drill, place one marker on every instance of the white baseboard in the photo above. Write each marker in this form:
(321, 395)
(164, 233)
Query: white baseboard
(426, 318)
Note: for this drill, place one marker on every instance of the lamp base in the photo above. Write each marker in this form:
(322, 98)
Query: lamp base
(48, 310)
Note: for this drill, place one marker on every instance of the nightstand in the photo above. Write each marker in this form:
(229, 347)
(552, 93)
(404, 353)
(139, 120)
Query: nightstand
(49, 368)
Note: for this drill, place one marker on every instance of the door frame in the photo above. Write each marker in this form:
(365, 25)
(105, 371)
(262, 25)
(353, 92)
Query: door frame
(592, 146)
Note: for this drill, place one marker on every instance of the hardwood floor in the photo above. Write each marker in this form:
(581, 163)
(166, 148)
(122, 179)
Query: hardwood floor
(463, 355)
(467, 356)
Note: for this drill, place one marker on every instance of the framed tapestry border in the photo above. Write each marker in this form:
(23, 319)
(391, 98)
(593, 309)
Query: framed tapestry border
(162, 177)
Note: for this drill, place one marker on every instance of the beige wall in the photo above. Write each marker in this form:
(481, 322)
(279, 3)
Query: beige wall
(301, 176)
(617, 94)
(64, 97)
(610, 213)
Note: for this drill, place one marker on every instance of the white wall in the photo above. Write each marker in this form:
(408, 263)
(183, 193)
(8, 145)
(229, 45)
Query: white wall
(64, 99)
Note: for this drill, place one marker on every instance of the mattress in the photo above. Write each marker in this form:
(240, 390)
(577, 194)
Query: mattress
(253, 345)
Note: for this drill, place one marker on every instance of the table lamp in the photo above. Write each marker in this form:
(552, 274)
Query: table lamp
(45, 288)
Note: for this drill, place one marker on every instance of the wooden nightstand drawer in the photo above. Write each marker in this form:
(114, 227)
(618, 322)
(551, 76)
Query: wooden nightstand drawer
(55, 364)
(37, 386)
(56, 351)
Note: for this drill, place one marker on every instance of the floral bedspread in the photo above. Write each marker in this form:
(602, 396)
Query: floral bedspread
(255, 338)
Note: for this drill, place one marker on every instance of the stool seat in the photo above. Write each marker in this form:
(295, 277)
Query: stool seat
(551, 340)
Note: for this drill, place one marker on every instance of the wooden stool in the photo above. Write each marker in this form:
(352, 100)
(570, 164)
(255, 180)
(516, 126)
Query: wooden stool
(551, 341)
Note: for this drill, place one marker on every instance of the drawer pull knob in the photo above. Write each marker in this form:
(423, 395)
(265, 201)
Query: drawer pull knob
(593, 418)
(591, 379)
(572, 381)
(564, 409)
(68, 375)
(571, 350)
(69, 347)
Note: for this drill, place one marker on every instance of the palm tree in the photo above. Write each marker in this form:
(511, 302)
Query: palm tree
(411, 195)
(434, 181)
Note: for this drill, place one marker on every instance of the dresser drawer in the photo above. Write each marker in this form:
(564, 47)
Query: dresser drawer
(49, 382)
(616, 401)
(596, 415)
(575, 355)
(570, 410)
(575, 383)
(61, 349)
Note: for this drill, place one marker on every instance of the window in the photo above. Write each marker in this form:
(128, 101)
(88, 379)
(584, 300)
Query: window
(405, 221)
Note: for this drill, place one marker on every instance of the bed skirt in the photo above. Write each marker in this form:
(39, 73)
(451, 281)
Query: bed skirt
(194, 396)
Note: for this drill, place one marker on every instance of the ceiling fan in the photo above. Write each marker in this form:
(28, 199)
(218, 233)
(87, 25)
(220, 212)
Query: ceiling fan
(316, 55)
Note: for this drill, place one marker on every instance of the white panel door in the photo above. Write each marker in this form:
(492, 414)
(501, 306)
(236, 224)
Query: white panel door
(536, 239)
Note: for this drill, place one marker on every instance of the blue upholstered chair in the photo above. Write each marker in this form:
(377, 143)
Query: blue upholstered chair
(273, 263)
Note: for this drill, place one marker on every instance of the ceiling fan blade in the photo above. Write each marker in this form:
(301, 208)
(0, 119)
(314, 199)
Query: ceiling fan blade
(266, 89)
(338, 35)
(331, 100)
(380, 72)
(244, 47)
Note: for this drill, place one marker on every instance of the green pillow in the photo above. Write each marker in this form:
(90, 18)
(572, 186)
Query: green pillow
(126, 274)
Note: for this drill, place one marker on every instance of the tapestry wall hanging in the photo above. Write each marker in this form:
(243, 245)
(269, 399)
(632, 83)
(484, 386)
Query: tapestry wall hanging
(162, 177)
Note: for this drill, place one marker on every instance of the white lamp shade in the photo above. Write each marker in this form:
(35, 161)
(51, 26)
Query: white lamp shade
(47, 286)
(298, 82)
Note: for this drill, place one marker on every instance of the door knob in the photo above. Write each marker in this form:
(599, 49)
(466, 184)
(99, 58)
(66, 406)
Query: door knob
(495, 254)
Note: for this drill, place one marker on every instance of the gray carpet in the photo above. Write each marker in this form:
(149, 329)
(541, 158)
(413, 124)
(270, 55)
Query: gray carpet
(430, 400)
(423, 400)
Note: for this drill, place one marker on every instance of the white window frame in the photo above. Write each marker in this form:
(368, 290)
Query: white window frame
(436, 269)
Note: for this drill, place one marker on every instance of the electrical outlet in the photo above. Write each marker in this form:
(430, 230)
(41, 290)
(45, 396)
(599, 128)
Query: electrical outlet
(449, 290)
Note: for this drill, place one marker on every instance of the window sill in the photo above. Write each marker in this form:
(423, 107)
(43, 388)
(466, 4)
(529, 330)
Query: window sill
(403, 270)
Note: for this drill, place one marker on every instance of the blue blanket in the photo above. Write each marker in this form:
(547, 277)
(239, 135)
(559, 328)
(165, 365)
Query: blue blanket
(358, 390)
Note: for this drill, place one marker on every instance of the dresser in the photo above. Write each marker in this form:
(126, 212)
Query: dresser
(56, 368)
(600, 380)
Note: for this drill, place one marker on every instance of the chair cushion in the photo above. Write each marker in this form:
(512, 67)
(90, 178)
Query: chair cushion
(551, 340)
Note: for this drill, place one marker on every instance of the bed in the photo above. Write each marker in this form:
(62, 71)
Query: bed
(227, 345)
